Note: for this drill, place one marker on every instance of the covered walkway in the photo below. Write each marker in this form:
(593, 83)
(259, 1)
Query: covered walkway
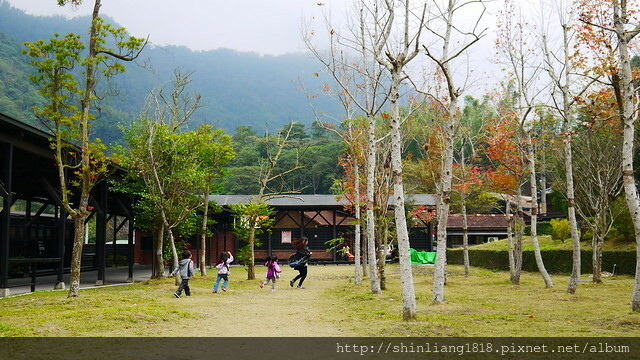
(35, 231)
(88, 279)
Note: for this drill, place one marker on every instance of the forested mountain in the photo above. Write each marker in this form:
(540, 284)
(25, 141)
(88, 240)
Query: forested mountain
(236, 88)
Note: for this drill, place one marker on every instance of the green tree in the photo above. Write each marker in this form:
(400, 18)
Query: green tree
(269, 183)
(67, 112)
(215, 152)
(165, 171)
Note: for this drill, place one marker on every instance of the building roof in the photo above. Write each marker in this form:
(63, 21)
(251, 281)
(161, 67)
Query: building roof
(321, 201)
(32, 164)
(297, 201)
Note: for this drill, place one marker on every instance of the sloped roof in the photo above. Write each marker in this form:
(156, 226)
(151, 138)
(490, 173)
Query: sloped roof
(297, 201)
(311, 201)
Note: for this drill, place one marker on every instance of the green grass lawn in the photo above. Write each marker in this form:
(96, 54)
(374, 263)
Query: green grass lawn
(483, 304)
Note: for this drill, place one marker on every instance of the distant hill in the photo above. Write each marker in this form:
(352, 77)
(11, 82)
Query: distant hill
(236, 88)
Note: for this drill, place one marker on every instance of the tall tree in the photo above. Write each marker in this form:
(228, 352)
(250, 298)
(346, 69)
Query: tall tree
(619, 19)
(562, 63)
(256, 212)
(454, 41)
(599, 172)
(507, 175)
(514, 45)
(359, 78)
(562, 83)
(216, 151)
(161, 156)
(398, 44)
(68, 113)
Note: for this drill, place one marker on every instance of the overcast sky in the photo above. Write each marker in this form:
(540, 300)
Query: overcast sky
(262, 26)
(271, 27)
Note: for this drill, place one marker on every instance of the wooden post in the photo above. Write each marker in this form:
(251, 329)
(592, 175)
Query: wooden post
(5, 218)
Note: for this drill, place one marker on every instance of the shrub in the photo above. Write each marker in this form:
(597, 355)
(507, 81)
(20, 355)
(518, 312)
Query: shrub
(560, 229)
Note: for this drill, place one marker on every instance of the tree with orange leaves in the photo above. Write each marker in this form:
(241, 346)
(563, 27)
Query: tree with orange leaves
(515, 46)
(506, 178)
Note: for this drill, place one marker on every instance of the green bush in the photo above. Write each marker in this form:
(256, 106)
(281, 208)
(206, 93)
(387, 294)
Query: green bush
(543, 227)
(560, 229)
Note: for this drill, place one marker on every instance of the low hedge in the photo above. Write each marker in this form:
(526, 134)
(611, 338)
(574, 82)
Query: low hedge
(543, 228)
(555, 261)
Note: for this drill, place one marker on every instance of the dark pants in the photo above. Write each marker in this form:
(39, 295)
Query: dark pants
(184, 285)
(301, 276)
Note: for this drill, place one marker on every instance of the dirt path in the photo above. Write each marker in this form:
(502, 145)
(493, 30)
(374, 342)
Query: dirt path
(247, 310)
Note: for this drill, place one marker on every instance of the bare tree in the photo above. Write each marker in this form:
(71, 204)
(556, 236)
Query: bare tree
(398, 44)
(257, 210)
(351, 63)
(562, 81)
(454, 42)
(600, 182)
(513, 44)
(619, 19)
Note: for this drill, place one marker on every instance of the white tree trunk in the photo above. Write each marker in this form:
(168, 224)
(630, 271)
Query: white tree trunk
(203, 234)
(517, 247)
(512, 258)
(629, 106)
(465, 225)
(534, 212)
(465, 239)
(358, 231)
(573, 222)
(406, 275)
(371, 226)
(444, 200)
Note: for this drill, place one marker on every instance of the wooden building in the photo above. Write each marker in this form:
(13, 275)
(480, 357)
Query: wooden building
(35, 233)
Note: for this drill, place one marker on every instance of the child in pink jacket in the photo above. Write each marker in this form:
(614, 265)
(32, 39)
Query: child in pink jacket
(223, 271)
(273, 272)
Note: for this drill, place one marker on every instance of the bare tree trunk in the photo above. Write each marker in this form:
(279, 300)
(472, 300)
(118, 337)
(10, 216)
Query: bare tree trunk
(76, 256)
(534, 211)
(174, 255)
(596, 261)
(450, 51)
(543, 184)
(571, 202)
(358, 227)
(519, 233)
(564, 84)
(444, 202)
(251, 266)
(629, 115)
(203, 233)
(357, 250)
(402, 234)
(465, 225)
(371, 226)
(573, 222)
(465, 238)
(512, 248)
(159, 271)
